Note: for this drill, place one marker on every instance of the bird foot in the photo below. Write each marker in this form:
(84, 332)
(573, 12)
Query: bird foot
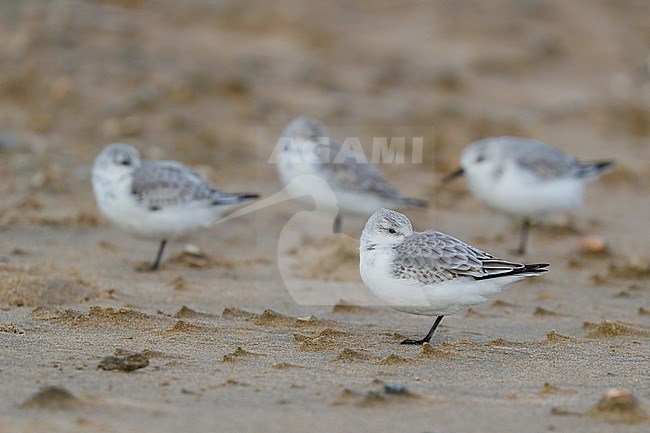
(145, 267)
(419, 342)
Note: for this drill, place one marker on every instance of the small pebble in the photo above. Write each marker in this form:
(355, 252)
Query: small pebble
(618, 400)
(124, 363)
(619, 406)
(395, 388)
(593, 244)
(193, 250)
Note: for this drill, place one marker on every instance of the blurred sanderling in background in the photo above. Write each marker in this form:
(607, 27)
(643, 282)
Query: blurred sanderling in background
(157, 200)
(525, 178)
(359, 186)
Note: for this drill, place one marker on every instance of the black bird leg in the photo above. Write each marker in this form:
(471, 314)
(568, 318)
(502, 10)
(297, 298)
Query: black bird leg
(338, 221)
(523, 240)
(427, 338)
(156, 263)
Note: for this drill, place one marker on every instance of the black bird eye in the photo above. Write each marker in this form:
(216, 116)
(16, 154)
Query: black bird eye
(126, 162)
(392, 231)
(480, 158)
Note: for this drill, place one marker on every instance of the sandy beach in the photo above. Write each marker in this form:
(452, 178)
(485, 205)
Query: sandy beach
(262, 322)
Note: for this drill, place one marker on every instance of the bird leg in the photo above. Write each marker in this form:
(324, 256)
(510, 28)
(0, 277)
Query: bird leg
(523, 240)
(338, 221)
(427, 338)
(156, 263)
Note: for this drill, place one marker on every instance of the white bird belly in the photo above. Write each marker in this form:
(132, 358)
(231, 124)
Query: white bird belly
(120, 208)
(437, 299)
(359, 203)
(520, 194)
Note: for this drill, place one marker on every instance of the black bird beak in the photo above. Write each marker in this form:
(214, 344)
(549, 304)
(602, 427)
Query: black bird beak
(453, 175)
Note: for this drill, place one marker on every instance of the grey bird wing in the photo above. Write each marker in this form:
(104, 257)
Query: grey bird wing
(549, 163)
(157, 184)
(433, 257)
(546, 162)
(348, 170)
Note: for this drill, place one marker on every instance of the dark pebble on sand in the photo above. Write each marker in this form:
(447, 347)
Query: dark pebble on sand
(124, 363)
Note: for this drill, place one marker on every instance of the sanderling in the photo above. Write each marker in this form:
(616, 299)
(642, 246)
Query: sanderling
(430, 273)
(525, 178)
(158, 200)
(359, 186)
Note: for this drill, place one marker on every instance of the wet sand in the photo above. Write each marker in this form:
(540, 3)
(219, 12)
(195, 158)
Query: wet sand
(269, 327)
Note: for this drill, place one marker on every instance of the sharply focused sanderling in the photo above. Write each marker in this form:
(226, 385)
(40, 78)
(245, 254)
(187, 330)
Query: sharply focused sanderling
(430, 273)
(158, 200)
(525, 178)
(359, 186)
